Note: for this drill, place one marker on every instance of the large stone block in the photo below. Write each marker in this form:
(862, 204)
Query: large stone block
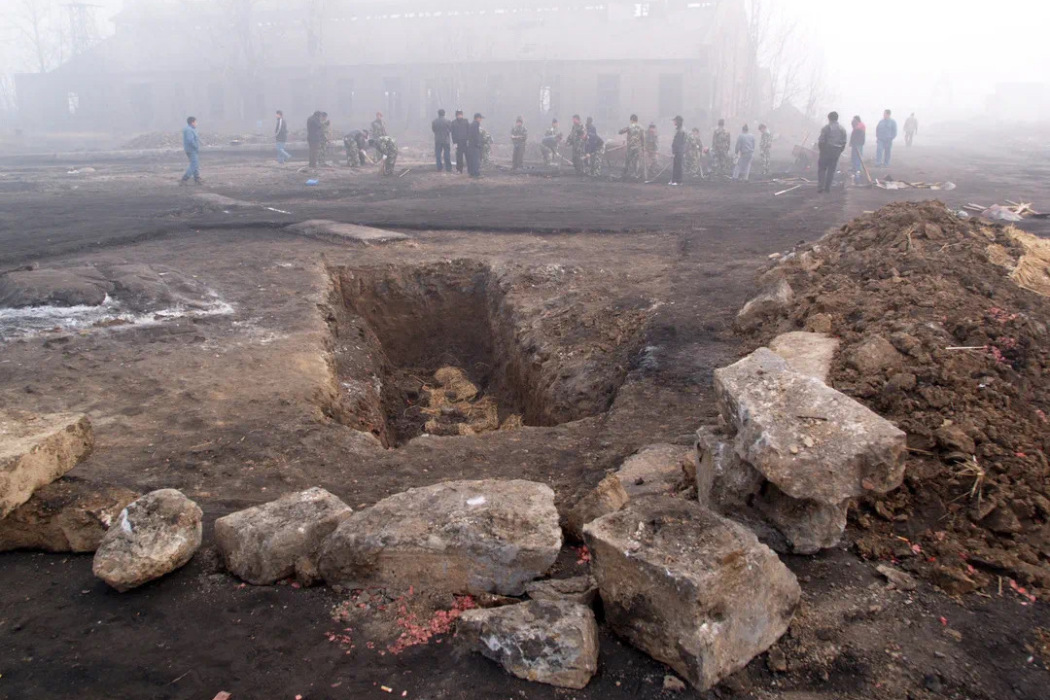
(267, 543)
(553, 642)
(692, 589)
(807, 353)
(808, 526)
(67, 515)
(487, 536)
(658, 469)
(153, 536)
(36, 450)
(772, 302)
(812, 442)
(607, 497)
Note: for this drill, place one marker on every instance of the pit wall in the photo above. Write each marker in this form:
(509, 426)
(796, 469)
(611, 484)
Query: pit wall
(536, 354)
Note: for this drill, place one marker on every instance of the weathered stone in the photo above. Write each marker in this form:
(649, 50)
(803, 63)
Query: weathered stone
(578, 589)
(770, 303)
(807, 353)
(674, 684)
(812, 442)
(898, 579)
(723, 480)
(68, 515)
(607, 497)
(808, 526)
(37, 449)
(952, 438)
(819, 323)
(692, 589)
(72, 286)
(657, 470)
(340, 232)
(460, 536)
(273, 541)
(874, 356)
(553, 642)
(153, 536)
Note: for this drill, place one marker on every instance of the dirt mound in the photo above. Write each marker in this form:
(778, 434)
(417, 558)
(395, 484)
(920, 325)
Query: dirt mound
(944, 331)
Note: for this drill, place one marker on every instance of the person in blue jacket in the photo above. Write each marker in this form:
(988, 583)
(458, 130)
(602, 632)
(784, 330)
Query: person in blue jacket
(885, 132)
(191, 143)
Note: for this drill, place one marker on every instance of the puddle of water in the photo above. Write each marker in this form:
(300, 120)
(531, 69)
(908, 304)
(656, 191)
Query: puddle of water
(35, 320)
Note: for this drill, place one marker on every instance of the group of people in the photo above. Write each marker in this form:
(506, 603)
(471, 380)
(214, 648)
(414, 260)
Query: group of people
(473, 143)
(833, 140)
(473, 146)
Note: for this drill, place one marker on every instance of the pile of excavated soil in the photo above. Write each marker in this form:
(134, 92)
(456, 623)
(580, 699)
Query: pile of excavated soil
(943, 323)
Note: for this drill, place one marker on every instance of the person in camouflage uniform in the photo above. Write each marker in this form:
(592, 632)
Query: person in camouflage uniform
(355, 143)
(721, 144)
(632, 168)
(386, 147)
(652, 143)
(519, 135)
(486, 148)
(694, 151)
(326, 139)
(578, 142)
(595, 149)
(765, 148)
(549, 145)
(378, 130)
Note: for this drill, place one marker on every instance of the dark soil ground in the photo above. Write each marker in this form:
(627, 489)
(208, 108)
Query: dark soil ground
(623, 294)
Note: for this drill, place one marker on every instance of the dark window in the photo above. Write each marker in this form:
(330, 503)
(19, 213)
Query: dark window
(345, 98)
(392, 92)
(670, 95)
(609, 97)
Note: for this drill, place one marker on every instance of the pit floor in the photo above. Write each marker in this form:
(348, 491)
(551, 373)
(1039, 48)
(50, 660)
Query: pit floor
(228, 409)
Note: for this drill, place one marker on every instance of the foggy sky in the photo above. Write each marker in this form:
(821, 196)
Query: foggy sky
(896, 53)
(939, 58)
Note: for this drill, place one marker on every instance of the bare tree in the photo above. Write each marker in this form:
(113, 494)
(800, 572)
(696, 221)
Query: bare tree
(784, 67)
(41, 31)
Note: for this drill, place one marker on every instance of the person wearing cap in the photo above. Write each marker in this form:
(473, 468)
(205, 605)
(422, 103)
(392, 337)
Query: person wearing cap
(678, 149)
(475, 142)
(460, 130)
(519, 135)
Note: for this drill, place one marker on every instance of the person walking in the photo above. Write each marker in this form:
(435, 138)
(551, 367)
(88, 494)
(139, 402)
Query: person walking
(885, 133)
(314, 136)
(678, 149)
(857, 138)
(191, 143)
(460, 130)
(745, 149)
(475, 142)
(519, 136)
(832, 143)
(442, 129)
(911, 127)
(280, 133)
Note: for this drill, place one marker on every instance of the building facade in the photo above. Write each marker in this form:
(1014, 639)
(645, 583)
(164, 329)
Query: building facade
(232, 62)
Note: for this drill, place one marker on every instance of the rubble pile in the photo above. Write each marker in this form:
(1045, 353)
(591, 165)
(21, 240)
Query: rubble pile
(942, 323)
(454, 406)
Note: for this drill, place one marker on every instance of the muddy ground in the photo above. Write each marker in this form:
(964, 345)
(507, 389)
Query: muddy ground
(609, 305)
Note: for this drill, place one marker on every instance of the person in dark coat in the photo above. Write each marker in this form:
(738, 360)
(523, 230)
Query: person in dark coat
(459, 129)
(832, 143)
(678, 148)
(475, 142)
(314, 136)
(442, 129)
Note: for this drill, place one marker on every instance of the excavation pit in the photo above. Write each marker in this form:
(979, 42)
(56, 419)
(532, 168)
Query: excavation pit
(441, 349)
